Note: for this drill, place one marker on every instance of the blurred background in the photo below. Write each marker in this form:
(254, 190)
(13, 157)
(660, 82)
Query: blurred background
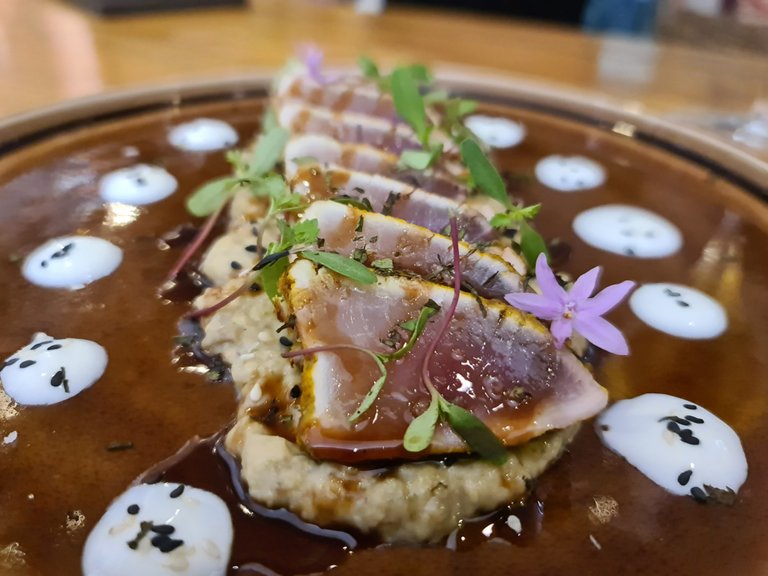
(702, 63)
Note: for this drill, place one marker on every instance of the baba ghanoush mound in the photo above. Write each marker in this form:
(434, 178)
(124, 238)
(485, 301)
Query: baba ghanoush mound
(360, 299)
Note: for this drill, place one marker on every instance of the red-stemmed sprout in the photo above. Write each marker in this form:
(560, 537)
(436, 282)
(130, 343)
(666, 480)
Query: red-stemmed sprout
(196, 243)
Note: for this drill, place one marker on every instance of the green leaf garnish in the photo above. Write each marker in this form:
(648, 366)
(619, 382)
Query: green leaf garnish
(512, 218)
(457, 108)
(301, 233)
(474, 432)
(363, 204)
(409, 103)
(420, 159)
(342, 265)
(269, 120)
(270, 276)
(210, 196)
(436, 97)
(384, 264)
(483, 173)
(419, 324)
(373, 393)
(368, 68)
(420, 431)
(268, 150)
(306, 161)
(531, 243)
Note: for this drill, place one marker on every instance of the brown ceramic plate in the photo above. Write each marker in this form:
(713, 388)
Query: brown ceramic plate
(591, 514)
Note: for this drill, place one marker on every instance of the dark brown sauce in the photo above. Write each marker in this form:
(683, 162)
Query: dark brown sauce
(61, 456)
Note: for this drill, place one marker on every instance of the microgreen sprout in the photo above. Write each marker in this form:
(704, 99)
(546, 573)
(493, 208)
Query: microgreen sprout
(472, 430)
(487, 179)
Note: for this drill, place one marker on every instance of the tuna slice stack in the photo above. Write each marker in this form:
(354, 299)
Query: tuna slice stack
(306, 354)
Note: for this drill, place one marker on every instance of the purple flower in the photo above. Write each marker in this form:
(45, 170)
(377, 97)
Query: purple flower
(574, 309)
(312, 57)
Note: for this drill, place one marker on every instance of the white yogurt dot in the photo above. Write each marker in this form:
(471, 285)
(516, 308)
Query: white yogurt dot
(628, 230)
(50, 370)
(569, 173)
(496, 132)
(203, 135)
(679, 310)
(186, 531)
(137, 185)
(679, 445)
(71, 262)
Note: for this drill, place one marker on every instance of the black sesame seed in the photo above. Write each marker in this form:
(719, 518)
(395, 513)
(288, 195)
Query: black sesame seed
(170, 545)
(44, 264)
(178, 491)
(698, 494)
(604, 427)
(163, 529)
(54, 347)
(683, 303)
(255, 287)
(133, 509)
(295, 391)
(141, 181)
(694, 419)
(690, 406)
(133, 544)
(672, 293)
(683, 478)
(64, 251)
(10, 362)
(236, 265)
(166, 544)
(27, 363)
(118, 446)
(692, 440)
(673, 427)
(251, 248)
(58, 378)
(285, 341)
(629, 252)
(40, 344)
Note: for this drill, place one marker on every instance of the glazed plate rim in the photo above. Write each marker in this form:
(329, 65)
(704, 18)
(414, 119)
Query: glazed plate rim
(589, 108)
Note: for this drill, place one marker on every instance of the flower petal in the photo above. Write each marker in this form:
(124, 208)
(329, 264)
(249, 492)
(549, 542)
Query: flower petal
(602, 334)
(538, 305)
(585, 285)
(606, 299)
(548, 284)
(561, 330)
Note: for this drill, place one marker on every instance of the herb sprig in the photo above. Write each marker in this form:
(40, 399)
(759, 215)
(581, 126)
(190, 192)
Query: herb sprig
(252, 170)
(299, 239)
(472, 430)
(486, 178)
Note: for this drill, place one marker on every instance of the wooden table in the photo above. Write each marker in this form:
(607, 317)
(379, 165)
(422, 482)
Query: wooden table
(50, 50)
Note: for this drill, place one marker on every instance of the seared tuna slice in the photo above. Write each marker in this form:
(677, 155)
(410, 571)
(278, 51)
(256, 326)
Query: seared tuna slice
(352, 94)
(352, 127)
(365, 158)
(495, 361)
(353, 232)
(392, 198)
